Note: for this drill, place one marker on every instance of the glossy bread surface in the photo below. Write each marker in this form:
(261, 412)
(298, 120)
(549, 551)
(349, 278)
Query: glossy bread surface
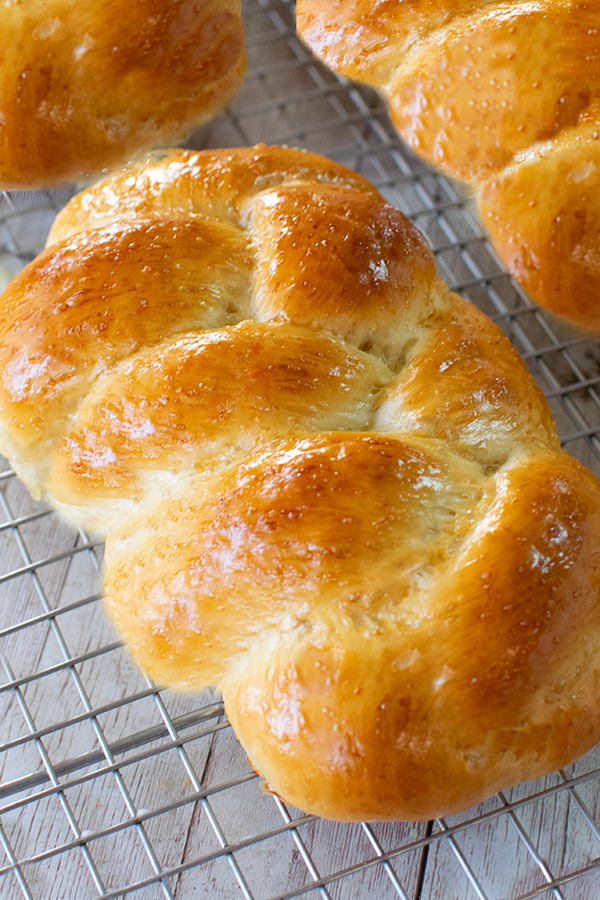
(483, 89)
(327, 484)
(87, 85)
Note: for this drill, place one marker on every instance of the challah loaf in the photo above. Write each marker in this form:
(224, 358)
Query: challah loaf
(87, 84)
(328, 484)
(504, 95)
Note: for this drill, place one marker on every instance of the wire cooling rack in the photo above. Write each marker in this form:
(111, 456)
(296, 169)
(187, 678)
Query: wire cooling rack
(111, 788)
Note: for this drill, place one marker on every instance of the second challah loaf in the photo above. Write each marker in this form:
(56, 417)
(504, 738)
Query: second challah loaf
(504, 95)
(85, 85)
(328, 484)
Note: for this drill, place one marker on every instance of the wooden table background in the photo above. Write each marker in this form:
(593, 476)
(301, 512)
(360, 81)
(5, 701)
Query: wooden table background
(109, 788)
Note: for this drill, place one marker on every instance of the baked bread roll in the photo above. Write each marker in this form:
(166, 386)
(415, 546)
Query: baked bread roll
(505, 96)
(328, 484)
(86, 85)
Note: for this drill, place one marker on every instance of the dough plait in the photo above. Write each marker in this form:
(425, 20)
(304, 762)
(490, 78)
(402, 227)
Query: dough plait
(328, 484)
(504, 96)
(86, 85)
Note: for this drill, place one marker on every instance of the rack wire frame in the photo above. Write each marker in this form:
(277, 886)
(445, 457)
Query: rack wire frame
(110, 788)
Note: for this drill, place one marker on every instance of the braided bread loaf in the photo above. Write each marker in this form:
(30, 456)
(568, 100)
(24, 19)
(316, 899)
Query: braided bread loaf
(328, 484)
(504, 95)
(87, 84)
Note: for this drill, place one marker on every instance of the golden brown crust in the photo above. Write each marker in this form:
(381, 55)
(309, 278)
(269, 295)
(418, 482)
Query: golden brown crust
(432, 394)
(85, 86)
(543, 213)
(395, 642)
(218, 184)
(327, 483)
(299, 525)
(483, 687)
(514, 92)
(176, 398)
(376, 266)
(364, 39)
(480, 89)
(72, 314)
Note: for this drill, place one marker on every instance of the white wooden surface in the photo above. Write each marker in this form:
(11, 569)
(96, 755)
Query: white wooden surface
(103, 782)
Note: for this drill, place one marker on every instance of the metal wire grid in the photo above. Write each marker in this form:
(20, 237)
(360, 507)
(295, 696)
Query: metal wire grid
(110, 788)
